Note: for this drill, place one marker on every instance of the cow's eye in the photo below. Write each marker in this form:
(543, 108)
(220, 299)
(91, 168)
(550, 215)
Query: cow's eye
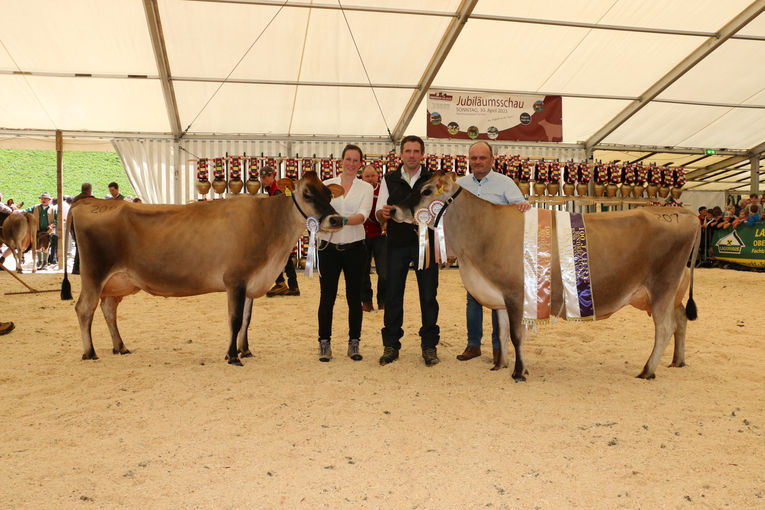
(426, 192)
(306, 196)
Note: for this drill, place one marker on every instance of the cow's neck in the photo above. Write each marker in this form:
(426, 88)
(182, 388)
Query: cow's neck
(465, 210)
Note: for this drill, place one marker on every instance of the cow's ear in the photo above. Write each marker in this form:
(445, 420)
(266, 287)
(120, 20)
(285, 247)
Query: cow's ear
(452, 176)
(285, 184)
(336, 190)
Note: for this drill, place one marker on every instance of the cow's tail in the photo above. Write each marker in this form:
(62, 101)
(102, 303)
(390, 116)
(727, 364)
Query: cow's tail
(66, 287)
(690, 308)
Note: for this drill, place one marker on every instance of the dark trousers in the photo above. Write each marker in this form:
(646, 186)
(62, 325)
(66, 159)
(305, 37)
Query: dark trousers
(291, 275)
(351, 263)
(399, 259)
(53, 256)
(377, 248)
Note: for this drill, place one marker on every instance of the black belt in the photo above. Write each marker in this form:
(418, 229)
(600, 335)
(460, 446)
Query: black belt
(340, 247)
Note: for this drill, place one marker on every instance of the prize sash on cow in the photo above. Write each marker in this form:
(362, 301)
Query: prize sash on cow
(574, 266)
(537, 266)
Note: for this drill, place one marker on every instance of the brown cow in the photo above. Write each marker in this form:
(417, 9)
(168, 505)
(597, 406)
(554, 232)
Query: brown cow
(19, 230)
(636, 257)
(237, 245)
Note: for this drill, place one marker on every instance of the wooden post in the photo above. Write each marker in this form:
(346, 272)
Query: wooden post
(60, 197)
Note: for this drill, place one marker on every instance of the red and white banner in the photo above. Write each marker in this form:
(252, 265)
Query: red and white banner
(478, 116)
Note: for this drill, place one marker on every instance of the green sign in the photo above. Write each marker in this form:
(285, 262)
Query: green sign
(743, 245)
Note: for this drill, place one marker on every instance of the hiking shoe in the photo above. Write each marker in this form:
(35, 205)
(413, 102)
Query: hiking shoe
(6, 327)
(325, 350)
(292, 292)
(390, 354)
(430, 356)
(353, 349)
(277, 290)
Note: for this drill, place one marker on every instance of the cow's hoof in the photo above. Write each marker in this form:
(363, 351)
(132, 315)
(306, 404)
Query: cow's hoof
(519, 378)
(90, 355)
(644, 375)
(245, 354)
(235, 361)
(677, 365)
(120, 351)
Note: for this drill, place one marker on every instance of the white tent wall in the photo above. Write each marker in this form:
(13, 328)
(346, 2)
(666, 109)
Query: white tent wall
(163, 171)
(709, 199)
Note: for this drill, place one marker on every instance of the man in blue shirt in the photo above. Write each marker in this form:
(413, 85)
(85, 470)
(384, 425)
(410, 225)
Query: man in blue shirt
(496, 188)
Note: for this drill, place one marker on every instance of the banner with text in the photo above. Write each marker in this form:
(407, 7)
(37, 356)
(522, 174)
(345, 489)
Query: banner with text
(743, 245)
(478, 116)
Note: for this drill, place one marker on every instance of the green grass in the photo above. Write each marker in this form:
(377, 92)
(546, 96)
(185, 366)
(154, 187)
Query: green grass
(24, 175)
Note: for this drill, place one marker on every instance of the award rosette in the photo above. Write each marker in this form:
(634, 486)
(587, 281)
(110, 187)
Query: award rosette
(422, 217)
(434, 208)
(311, 258)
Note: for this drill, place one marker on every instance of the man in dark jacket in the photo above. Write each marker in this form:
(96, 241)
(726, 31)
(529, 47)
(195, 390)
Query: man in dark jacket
(403, 250)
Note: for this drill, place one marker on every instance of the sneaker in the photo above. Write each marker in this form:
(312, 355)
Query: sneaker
(430, 356)
(292, 292)
(390, 354)
(325, 350)
(277, 290)
(353, 349)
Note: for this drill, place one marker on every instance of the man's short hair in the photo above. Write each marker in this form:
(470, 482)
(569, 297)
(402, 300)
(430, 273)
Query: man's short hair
(114, 185)
(484, 142)
(266, 171)
(413, 138)
(86, 187)
(702, 208)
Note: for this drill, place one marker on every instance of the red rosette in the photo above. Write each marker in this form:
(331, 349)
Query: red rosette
(628, 174)
(570, 172)
(614, 173)
(306, 165)
(641, 174)
(680, 179)
(667, 176)
(584, 173)
(202, 169)
(600, 174)
(654, 175)
(432, 162)
(219, 168)
(541, 173)
(253, 169)
(447, 163)
(291, 168)
(235, 169)
(525, 173)
(554, 176)
(460, 163)
(327, 169)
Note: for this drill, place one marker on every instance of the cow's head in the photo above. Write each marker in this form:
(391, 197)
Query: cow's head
(313, 198)
(440, 187)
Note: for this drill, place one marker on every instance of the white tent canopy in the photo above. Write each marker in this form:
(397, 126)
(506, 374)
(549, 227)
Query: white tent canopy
(640, 79)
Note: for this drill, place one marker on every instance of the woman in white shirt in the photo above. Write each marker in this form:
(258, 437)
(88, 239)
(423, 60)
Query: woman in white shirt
(344, 251)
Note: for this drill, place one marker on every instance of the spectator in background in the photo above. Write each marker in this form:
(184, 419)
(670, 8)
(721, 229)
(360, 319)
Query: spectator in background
(754, 215)
(137, 200)
(715, 218)
(702, 215)
(376, 245)
(114, 191)
(742, 217)
(269, 185)
(46, 222)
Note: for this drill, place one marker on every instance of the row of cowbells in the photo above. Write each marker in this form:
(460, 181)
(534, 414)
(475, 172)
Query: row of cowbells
(600, 190)
(234, 186)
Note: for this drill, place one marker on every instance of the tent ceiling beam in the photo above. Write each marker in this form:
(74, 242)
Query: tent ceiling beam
(154, 26)
(617, 28)
(439, 55)
(725, 163)
(333, 7)
(733, 26)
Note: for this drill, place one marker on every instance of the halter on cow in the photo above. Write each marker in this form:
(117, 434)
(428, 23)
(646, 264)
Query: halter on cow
(236, 245)
(636, 257)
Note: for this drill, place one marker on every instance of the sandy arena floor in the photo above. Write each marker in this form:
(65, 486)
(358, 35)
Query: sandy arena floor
(174, 426)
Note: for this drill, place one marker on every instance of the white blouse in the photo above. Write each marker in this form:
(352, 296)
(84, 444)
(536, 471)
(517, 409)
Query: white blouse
(358, 200)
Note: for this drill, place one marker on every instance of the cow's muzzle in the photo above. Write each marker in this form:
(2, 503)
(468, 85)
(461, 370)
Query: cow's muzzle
(401, 214)
(332, 223)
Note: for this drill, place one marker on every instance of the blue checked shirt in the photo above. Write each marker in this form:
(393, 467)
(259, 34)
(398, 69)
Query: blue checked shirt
(495, 188)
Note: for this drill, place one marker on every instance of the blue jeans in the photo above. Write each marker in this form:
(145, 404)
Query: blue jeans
(474, 316)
